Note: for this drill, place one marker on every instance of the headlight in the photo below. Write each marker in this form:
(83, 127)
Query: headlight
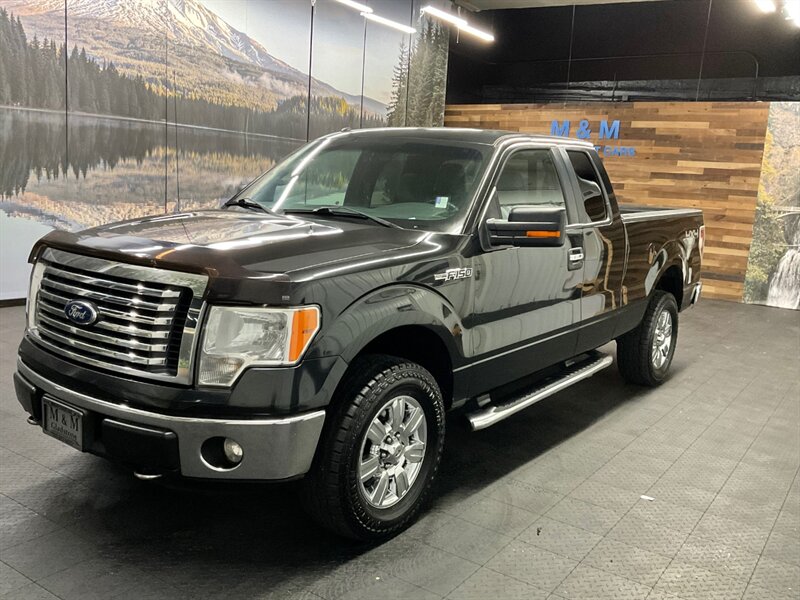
(33, 293)
(239, 337)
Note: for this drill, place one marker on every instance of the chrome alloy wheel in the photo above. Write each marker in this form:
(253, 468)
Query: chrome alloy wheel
(662, 339)
(392, 451)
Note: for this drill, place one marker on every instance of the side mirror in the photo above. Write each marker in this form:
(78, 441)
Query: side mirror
(593, 200)
(589, 189)
(529, 226)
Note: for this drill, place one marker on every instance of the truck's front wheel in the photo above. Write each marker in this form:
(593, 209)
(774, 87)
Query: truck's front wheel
(645, 353)
(380, 450)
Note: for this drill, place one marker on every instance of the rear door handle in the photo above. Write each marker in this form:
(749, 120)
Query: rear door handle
(575, 258)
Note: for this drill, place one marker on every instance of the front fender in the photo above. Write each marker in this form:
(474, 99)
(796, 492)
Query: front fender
(389, 308)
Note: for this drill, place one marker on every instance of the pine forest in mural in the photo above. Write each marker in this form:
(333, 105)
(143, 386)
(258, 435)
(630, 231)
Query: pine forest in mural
(147, 106)
(419, 81)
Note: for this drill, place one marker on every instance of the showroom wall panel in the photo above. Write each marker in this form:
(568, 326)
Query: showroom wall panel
(115, 123)
(233, 107)
(337, 56)
(773, 269)
(704, 155)
(427, 71)
(32, 142)
(139, 107)
(386, 55)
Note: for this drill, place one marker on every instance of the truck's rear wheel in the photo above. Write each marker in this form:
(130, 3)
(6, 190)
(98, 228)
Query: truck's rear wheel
(644, 354)
(380, 450)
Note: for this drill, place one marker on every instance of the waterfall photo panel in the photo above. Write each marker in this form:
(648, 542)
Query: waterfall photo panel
(773, 270)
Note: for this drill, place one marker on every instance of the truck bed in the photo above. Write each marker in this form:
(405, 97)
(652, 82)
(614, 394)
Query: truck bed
(634, 213)
(655, 233)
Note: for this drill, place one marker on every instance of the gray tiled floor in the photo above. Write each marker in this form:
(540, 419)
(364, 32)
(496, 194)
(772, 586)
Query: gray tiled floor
(545, 505)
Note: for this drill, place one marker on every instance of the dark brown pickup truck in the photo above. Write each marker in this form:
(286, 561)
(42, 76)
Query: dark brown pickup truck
(321, 324)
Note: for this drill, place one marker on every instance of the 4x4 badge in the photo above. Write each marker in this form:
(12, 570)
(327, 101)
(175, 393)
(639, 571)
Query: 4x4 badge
(453, 274)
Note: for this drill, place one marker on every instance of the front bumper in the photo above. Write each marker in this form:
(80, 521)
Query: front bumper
(274, 448)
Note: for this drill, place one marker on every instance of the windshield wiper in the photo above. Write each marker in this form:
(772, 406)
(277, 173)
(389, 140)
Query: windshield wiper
(249, 204)
(343, 211)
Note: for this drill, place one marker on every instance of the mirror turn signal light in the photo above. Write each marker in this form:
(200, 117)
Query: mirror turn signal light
(542, 234)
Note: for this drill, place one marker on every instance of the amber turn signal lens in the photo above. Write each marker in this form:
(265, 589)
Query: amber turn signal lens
(543, 234)
(304, 325)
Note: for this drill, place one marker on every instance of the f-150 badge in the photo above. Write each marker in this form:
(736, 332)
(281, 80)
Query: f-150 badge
(453, 274)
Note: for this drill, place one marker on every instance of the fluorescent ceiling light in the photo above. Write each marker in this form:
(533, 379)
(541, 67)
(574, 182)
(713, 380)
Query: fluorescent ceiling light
(484, 35)
(388, 22)
(767, 6)
(445, 16)
(356, 5)
(792, 10)
(460, 23)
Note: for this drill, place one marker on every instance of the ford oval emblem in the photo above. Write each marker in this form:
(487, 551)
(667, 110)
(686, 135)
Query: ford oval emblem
(81, 312)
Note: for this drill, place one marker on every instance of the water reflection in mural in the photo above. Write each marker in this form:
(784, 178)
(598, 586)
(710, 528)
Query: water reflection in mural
(114, 169)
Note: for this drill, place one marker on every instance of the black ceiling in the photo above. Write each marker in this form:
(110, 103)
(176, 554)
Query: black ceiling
(629, 41)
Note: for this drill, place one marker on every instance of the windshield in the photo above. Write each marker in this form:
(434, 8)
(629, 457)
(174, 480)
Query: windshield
(412, 182)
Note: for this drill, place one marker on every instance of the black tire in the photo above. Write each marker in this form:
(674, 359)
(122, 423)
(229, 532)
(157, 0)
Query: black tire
(634, 349)
(331, 491)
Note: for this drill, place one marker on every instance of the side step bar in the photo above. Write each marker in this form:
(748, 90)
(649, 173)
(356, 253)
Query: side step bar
(576, 372)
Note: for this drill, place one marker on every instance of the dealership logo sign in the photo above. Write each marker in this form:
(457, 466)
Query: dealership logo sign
(604, 132)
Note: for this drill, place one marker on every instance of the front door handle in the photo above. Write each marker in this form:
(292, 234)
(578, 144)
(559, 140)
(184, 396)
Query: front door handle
(575, 259)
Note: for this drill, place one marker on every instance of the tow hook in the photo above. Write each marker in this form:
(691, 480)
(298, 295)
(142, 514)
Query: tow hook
(33, 421)
(147, 476)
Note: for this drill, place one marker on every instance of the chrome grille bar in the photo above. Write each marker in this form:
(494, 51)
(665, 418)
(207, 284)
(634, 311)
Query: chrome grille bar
(102, 338)
(147, 318)
(83, 292)
(131, 316)
(131, 357)
(107, 325)
(114, 285)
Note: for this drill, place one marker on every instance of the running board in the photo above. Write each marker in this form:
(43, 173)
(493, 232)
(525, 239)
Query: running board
(574, 373)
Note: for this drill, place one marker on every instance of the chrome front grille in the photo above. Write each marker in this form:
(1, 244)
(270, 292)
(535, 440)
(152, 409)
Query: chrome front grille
(147, 318)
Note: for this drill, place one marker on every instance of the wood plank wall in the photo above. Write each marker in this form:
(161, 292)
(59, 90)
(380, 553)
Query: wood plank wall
(687, 154)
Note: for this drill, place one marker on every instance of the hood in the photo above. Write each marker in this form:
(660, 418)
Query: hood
(233, 245)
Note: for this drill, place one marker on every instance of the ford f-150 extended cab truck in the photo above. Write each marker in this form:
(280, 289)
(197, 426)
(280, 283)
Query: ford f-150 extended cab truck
(322, 322)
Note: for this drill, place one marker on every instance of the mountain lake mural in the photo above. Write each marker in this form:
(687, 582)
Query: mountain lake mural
(118, 109)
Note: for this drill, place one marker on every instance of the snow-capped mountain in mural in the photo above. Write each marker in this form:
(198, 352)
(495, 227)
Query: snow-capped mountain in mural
(216, 60)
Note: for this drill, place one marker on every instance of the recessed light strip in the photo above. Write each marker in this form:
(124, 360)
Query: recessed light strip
(791, 10)
(356, 5)
(478, 33)
(460, 23)
(444, 16)
(388, 22)
(767, 6)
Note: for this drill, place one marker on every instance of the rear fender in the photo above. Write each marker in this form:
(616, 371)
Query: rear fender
(671, 254)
